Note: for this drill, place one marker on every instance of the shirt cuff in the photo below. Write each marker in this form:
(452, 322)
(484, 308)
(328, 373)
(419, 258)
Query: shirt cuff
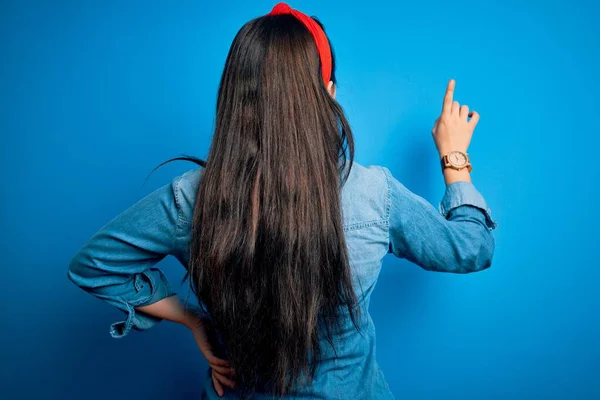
(150, 286)
(462, 193)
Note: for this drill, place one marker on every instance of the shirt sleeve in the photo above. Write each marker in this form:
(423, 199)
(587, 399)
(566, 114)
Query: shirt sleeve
(117, 263)
(457, 238)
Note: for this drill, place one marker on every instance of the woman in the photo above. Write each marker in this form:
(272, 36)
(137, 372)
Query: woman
(282, 234)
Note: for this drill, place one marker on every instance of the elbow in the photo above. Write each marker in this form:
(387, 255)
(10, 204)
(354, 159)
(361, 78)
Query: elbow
(74, 269)
(479, 255)
(77, 269)
(475, 256)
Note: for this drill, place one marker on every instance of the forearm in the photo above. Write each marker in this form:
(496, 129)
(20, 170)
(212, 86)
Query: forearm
(452, 175)
(171, 309)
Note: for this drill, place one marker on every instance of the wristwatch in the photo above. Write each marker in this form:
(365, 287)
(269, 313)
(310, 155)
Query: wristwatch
(456, 160)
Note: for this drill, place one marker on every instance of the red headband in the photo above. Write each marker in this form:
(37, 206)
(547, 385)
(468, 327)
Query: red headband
(314, 28)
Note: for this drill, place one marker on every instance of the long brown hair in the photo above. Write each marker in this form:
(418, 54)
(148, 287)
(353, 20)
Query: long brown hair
(268, 255)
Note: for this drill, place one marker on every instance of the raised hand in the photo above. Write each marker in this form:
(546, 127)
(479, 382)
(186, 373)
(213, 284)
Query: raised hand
(453, 129)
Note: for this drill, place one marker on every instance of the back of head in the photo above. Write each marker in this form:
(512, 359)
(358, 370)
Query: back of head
(268, 255)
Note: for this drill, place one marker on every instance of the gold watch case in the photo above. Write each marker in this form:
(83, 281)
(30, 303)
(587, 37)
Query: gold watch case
(456, 160)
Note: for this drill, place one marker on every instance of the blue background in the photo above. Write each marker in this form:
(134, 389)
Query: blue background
(95, 94)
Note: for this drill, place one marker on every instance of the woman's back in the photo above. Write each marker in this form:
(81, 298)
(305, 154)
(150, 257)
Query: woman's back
(354, 369)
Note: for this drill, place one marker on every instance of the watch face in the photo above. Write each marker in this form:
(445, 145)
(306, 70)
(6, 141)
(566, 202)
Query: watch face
(457, 158)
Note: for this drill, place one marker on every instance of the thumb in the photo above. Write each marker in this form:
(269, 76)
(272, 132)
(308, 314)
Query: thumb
(435, 126)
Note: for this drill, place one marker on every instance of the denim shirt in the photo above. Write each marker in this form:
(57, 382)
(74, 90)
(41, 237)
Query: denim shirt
(380, 216)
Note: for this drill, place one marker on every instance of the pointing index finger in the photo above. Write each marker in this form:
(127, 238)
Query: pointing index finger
(448, 97)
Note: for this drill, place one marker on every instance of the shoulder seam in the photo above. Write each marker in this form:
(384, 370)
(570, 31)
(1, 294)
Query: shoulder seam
(388, 204)
(176, 192)
(388, 197)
